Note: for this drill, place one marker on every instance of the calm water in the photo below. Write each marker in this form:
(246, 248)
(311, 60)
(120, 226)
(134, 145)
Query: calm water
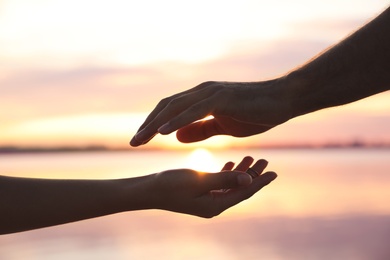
(325, 204)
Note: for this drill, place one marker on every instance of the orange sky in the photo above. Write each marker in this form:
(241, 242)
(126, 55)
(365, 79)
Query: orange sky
(88, 73)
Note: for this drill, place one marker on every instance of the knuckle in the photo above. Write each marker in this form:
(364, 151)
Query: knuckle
(195, 108)
(198, 110)
(225, 90)
(210, 85)
(206, 84)
(221, 92)
(163, 102)
(173, 102)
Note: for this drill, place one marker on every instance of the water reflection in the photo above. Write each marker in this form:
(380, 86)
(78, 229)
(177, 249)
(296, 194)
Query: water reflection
(326, 204)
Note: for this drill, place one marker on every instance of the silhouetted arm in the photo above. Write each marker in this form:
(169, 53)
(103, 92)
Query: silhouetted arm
(28, 203)
(355, 68)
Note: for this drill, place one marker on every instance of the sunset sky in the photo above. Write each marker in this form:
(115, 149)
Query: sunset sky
(89, 72)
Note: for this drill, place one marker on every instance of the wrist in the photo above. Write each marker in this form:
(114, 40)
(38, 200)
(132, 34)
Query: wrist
(300, 93)
(274, 101)
(136, 193)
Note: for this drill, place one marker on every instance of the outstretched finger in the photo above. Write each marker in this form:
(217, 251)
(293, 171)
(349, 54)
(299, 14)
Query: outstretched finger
(160, 106)
(165, 113)
(136, 141)
(198, 131)
(244, 164)
(241, 179)
(233, 197)
(191, 114)
(228, 166)
(164, 102)
(259, 167)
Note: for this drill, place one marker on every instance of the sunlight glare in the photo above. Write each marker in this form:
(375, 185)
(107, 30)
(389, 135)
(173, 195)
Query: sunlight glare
(202, 159)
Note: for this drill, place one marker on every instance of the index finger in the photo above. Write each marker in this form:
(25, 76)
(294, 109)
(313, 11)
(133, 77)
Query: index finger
(160, 106)
(171, 108)
(164, 102)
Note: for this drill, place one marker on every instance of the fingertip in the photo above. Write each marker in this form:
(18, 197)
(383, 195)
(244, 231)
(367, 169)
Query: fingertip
(269, 176)
(164, 129)
(263, 161)
(228, 166)
(134, 142)
(260, 165)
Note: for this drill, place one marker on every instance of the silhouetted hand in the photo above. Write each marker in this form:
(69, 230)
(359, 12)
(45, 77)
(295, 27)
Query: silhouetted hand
(208, 194)
(50, 202)
(238, 109)
(355, 68)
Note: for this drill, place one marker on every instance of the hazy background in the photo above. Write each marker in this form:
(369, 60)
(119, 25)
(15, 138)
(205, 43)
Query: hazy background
(325, 204)
(81, 73)
(78, 73)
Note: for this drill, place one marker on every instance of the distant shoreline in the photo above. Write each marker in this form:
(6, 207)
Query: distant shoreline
(16, 149)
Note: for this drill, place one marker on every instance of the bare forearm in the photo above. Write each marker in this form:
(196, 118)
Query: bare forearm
(27, 203)
(351, 70)
(35, 203)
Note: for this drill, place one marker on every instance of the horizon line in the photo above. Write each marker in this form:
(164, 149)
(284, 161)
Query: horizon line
(91, 148)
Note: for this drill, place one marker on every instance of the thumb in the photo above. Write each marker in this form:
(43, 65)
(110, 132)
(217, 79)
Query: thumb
(197, 131)
(227, 180)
